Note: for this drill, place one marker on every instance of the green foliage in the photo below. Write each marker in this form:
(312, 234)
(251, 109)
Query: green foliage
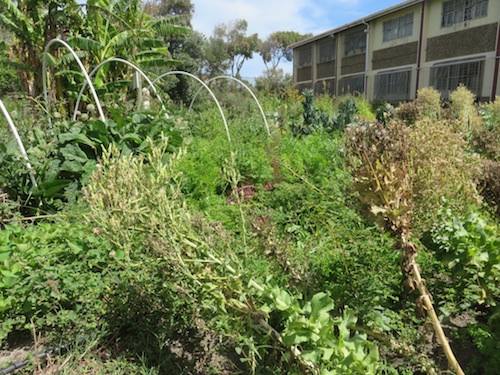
(277, 47)
(41, 284)
(411, 167)
(242, 258)
(327, 344)
(429, 103)
(487, 138)
(63, 157)
(316, 119)
(463, 109)
(273, 81)
(470, 247)
(229, 48)
(9, 79)
(442, 166)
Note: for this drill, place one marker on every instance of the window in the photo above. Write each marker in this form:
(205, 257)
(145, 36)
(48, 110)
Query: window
(326, 86)
(457, 11)
(393, 86)
(352, 85)
(326, 50)
(447, 78)
(355, 43)
(398, 27)
(305, 57)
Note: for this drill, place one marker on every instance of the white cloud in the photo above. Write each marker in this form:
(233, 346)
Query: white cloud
(263, 16)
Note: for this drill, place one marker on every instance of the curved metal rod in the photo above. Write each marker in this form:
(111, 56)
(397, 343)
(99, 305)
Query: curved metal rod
(246, 87)
(84, 71)
(137, 69)
(13, 129)
(205, 86)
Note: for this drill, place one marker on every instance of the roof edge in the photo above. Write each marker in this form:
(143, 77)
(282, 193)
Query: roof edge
(358, 22)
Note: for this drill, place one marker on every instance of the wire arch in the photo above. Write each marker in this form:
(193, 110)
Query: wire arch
(20, 144)
(242, 84)
(206, 87)
(117, 59)
(82, 68)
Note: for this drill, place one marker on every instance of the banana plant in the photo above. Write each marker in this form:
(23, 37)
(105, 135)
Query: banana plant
(33, 23)
(120, 28)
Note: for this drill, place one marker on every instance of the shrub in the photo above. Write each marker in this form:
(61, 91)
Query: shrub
(429, 103)
(464, 111)
(441, 168)
(489, 184)
(487, 137)
(9, 80)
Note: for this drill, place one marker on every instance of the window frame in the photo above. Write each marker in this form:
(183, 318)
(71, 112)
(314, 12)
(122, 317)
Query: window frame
(446, 77)
(326, 44)
(352, 84)
(302, 62)
(393, 85)
(355, 43)
(458, 11)
(398, 27)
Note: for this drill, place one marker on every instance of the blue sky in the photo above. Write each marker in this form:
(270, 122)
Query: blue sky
(267, 16)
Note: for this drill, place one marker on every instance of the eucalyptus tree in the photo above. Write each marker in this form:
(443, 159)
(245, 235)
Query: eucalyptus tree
(276, 47)
(230, 47)
(182, 10)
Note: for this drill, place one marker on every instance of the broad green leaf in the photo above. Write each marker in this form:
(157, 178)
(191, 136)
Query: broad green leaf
(74, 246)
(131, 137)
(23, 247)
(321, 305)
(80, 138)
(73, 152)
(49, 189)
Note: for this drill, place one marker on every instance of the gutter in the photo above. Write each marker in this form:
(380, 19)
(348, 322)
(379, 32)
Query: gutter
(419, 56)
(383, 12)
(497, 65)
(367, 55)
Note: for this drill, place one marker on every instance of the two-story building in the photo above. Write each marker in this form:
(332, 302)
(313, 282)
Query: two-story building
(389, 55)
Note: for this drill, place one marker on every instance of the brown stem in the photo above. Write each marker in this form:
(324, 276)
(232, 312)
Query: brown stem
(452, 361)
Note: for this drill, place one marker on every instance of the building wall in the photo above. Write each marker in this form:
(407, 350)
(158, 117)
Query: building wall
(472, 40)
(352, 64)
(447, 48)
(405, 54)
(469, 41)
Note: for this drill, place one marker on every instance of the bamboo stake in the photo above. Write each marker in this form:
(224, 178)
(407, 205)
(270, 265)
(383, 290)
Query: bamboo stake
(452, 361)
(411, 268)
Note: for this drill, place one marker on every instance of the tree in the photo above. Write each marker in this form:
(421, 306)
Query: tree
(187, 49)
(120, 28)
(230, 47)
(273, 81)
(34, 23)
(181, 9)
(277, 47)
(9, 81)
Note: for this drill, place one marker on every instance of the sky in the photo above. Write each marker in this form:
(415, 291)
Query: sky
(267, 16)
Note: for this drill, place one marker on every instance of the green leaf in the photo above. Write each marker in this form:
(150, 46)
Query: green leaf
(73, 152)
(80, 138)
(50, 189)
(321, 305)
(74, 246)
(23, 247)
(131, 137)
(72, 166)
